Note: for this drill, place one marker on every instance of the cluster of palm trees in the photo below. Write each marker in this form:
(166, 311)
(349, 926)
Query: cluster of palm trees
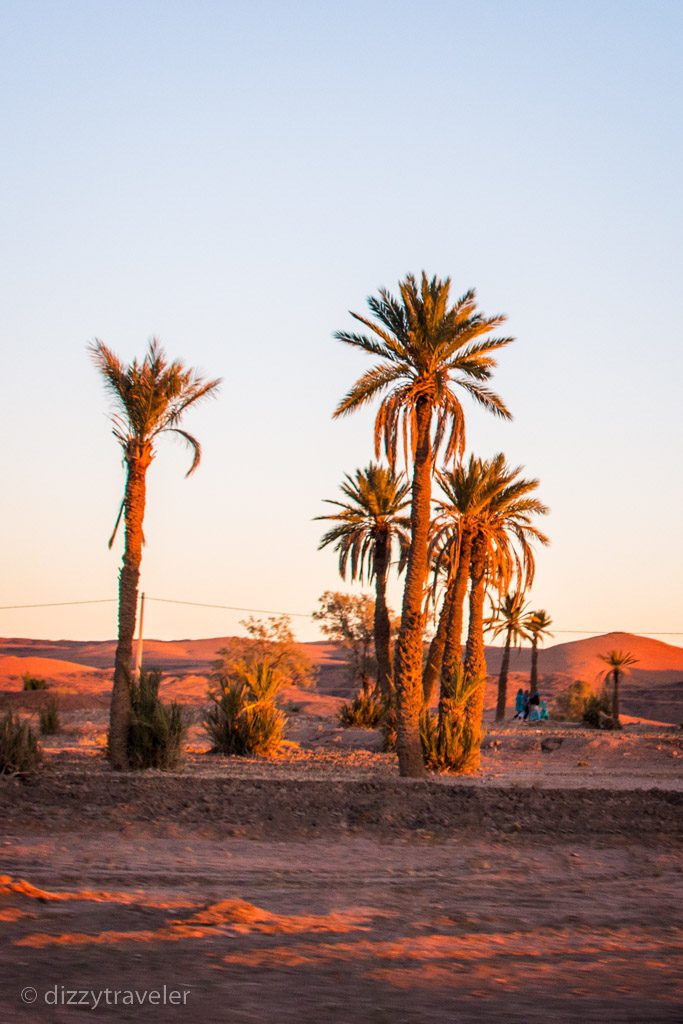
(480, 530)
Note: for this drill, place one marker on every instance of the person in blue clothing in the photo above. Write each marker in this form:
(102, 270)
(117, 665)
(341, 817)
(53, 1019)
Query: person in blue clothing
(544, 712)
(519, 703)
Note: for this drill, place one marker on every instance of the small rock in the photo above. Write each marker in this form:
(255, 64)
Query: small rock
(551, 743)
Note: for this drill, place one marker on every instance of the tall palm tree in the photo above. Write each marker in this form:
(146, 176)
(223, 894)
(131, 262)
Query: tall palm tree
(150, 399)
(367, 523)
(427, 349)
(501, 552)
(538, 626)
(620, 663)
(509, 618)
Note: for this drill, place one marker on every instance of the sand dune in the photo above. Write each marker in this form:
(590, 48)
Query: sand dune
(654, 689)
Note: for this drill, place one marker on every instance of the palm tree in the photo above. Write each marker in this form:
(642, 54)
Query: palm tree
(501, 552)
(426, 349)
(537, 625)
(367, 523)
(509, 618)
(150, 398)
(468, 490)
(620, 663)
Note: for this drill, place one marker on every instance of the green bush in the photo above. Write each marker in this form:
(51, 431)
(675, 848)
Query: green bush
(243, 718)
(49, 718)
(19, 748)
(597, 706)
(157, 730)
(448, 741)
(570, 704)
(33, 682)
(367, 710)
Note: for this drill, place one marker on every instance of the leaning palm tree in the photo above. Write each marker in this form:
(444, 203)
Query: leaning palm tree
(366, 526)
(501, 553)
(427, 350)
(150, 398)
(620, 663)
(444, 555)
(537, 626)
(509, 618)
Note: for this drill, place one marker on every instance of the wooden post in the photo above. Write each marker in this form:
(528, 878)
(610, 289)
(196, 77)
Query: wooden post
(138, 655)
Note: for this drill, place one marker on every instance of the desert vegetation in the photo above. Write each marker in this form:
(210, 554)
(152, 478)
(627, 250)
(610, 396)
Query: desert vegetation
(19, 748)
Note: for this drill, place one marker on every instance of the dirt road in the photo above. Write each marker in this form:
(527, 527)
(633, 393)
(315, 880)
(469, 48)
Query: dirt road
(373, 925)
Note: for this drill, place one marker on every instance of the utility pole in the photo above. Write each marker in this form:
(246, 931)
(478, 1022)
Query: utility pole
(138, 656)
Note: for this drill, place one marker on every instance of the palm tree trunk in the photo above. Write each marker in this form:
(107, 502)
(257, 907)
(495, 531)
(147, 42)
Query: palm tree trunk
(615, 699)
(475, 652)
(382, 624)
(503, 679)
(534, 665)
(437, 647)
(409, 647)
(452, 655)
(134, 511)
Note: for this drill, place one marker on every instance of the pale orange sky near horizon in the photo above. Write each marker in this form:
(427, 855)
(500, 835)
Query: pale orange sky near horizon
(227, 178)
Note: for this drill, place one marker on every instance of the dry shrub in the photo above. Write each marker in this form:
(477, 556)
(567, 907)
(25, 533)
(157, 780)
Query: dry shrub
(157, 731)
(19, 748)
(449, 743)
(33, 682)
(49, 718)
(581, 702)
(598, 709)
(244, 719)
(570, 704)
(367, 710)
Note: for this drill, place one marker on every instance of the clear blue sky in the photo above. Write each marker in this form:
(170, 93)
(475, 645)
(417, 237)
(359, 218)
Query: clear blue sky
(234, 177)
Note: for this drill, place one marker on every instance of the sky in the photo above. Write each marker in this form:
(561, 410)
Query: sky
(234, 177)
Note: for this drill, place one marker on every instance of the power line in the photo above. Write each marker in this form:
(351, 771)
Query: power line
(55, 604)
(299, 615)
(230, 608)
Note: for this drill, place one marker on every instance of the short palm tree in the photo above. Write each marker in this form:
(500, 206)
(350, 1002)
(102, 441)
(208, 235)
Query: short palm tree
(619, 663)
(502, 552)
(151, 397)
(509, 618)
(366, 526)
(428, 348)
(537, 626)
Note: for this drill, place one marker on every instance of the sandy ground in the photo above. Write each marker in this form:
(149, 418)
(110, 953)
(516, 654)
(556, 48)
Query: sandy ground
(342, 930)
(321, 886)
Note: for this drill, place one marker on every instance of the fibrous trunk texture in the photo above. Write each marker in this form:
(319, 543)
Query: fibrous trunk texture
(534, 665)
(134, 512)
(475, 654)
(382, 624)
(452, 655)
(615, 699)
(408, 668)
(432, 671)
(503, 679)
